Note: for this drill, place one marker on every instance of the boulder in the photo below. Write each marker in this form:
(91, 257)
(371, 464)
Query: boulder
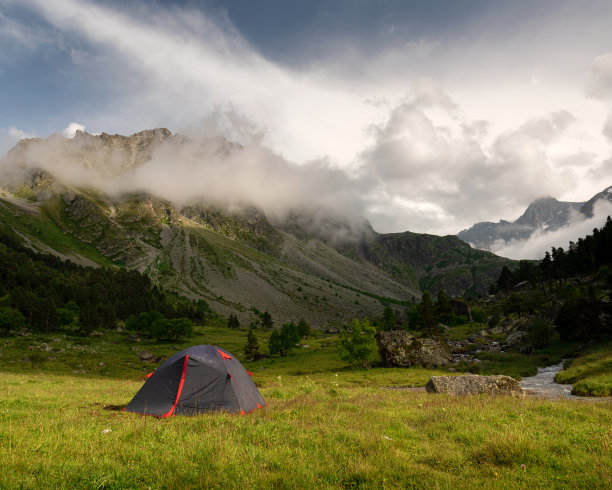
(473, 384)
(146, 356)
(516, 337)
(399, 348)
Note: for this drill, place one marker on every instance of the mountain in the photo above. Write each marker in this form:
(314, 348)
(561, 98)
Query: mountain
(69, 197)
(545, 214)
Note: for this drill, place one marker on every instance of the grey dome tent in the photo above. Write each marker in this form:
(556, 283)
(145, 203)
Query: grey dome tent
(197, 380)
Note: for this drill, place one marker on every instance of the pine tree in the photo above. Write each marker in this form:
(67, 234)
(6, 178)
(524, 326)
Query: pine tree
(275, 344)
(251, 348)
(426, 315)
(233, 322)
(266, 320)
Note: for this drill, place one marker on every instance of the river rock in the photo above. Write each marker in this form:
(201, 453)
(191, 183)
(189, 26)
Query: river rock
(473, 384)
(399, 348)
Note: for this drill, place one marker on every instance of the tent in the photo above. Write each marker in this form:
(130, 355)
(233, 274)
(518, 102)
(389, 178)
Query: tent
(197, 380)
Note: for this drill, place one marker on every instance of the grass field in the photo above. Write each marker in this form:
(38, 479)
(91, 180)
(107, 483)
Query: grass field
(325, 426)
(591, 374)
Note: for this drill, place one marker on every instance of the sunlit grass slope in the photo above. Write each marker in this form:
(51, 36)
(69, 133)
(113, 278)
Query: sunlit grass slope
(591, 374)
(325, 426)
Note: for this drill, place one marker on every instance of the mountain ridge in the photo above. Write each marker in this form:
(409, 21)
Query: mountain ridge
(311, 262)
(542, 214)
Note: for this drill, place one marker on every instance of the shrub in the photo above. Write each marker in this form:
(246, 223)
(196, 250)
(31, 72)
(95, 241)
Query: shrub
(357, 343)
(540, 333)
(10, 319)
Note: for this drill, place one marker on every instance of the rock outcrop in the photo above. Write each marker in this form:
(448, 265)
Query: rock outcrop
(399, 348)
(472, 384)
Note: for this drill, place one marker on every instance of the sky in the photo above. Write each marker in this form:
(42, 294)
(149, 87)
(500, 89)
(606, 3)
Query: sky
(429, 115)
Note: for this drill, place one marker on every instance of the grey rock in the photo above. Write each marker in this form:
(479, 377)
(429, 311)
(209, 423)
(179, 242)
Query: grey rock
(399, 348)
(516, 337)
(473, 384)
(146, 356)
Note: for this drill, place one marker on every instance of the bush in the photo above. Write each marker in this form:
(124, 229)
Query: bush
(303, 328)
(540, 333)
(357, 343)
(281, 342)
(479, 315)
(10, 319)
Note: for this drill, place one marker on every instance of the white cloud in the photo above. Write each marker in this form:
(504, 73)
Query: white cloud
(9, 137)
(433, 173)
(71, 130)
(541, 241)
(600, 81)
(458, 132)
(189, 65)
(209, 170)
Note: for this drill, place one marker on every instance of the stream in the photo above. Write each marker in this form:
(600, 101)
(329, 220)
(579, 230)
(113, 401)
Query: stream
(543, 384)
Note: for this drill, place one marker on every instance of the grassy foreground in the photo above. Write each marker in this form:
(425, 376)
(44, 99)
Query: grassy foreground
(62, 431)
(325, 426)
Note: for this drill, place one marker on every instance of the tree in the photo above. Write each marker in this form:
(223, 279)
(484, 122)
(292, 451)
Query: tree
(266, 320)
(580, 318)
(388, 321)
(283, 340)
(443, 307)
(303, 328)
(540, 333)
(66, 317)
(275, 344)
(10, 319)
(357, 343)
(143, 323)
(505, 279)
(427, 321)
(179, 328)
(251, 348)
(233, 322)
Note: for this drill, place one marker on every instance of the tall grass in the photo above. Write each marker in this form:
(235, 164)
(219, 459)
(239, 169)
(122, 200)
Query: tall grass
(591, 374)
(324, 426)
(62, 431)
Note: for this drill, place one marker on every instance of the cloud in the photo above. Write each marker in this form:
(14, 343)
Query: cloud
(9, 137)
(71, 130)
(607, 129)
(432, 171)
(600, 81)
(184, 65)
(205, 169)
(541, 241)
(453, 136)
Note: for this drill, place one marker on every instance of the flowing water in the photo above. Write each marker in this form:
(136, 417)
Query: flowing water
(543, 383)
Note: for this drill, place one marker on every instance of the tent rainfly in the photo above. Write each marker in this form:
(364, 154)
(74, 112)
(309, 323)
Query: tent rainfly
(197, 380)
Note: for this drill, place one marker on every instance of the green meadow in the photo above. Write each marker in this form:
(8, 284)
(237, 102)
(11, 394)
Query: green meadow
(326, 425)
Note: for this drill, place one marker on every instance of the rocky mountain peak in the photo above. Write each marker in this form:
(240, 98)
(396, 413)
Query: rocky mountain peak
(545, 213)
